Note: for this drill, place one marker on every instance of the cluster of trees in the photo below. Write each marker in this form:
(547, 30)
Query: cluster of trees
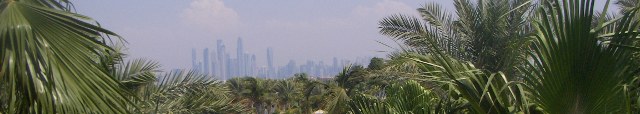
(492, 56)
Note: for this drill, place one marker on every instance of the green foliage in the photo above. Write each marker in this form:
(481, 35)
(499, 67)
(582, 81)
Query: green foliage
(189, 92)
(574, 66)
(50, 61)
(376, 64)
(490, 33)
(406, 98)
(572, 71)
(569, 59)
(154, 91)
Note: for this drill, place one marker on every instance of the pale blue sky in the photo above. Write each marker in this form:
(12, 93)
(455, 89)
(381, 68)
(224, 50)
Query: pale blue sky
(166, 30)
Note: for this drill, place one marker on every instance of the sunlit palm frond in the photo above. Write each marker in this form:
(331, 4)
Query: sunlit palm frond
(406, 98)
(190, 92)
(485, 93)
(489, 34)
(363, 104)
(136, 73)
(627, 5)
(336, 101)
(285, 91)
(572, 71)
(50, 63)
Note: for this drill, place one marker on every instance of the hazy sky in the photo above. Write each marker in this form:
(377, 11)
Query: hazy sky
(167, 30)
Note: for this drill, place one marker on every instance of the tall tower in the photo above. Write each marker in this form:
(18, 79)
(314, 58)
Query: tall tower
(334, 69)
(222, 67)
(214, 61)
(244, 71)
(228, 64)
(252, 69)
(240, 57)
(194, 63)
(270, 69)
(205, 63)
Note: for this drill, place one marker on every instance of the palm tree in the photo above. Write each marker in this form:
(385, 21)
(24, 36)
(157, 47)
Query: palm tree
(406, 98)
(313, 93)
(255, 91)
(154, 91)
(342, 87)
(578, 67)
(488, 33)
(286, 94)
(484, 93)
(574, 66)
(51, 58)
(190, 92)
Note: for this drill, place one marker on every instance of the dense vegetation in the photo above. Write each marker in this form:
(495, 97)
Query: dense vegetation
(491, 56)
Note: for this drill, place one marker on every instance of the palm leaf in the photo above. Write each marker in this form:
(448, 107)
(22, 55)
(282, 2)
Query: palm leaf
(405, 98)
(571, 70)
(49, 61)
(189, 92)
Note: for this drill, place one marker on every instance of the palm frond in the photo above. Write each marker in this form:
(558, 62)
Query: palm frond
(190, 92)
(406, 98)
(572, 71)
(49, 61)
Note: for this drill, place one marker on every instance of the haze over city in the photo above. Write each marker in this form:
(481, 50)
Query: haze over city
(320, 57)
(167, 30)
(300, 30)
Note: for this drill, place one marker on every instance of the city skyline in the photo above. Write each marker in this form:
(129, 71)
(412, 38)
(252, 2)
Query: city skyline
(220, 64)
(306, 29)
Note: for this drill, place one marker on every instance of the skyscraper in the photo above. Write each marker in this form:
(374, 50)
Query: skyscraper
(335, 67)
(240, 58)
(194, 62)
(221, 60)
(244, 71)
(270, 68)
(205, 57)
(214, 61)
(228, 66)
(252, 69)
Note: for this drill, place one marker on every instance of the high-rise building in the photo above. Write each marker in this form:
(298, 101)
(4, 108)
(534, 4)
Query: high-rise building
(220, 63)
(228, 66)
(239, 57)
(244, 69)
(205, 57)
(194, 62)
(270, 68)
(221, 60)
(214, 61)
(199, 67)
(335, 67)
(252, 69)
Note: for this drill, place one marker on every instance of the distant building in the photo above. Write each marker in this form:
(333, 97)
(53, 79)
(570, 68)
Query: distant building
(205, 57)
(239, 58)
(221, 60)
(194, 62)
(220, 63)
(270, 69)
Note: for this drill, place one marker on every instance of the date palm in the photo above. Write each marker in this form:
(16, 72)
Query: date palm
(406, 98)
(177, 91)
(188, 92)
(51, 61)
(575, 65)
(488, 33)
(254, 90)
(286, 93)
